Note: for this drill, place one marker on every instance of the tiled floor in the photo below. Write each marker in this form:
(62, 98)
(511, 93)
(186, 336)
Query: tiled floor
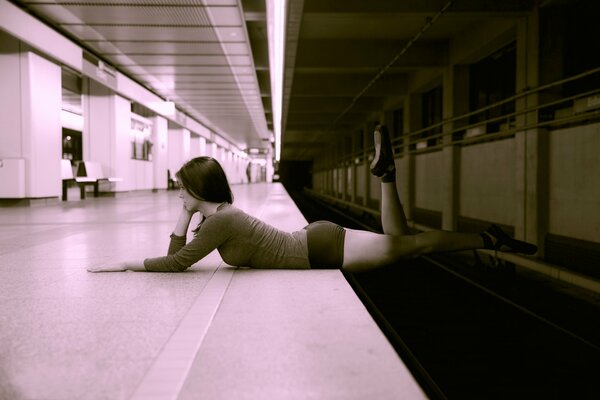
(211, 332)
(67, 333)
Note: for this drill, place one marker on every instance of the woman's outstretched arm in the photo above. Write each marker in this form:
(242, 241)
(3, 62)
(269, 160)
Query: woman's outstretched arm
(119, 266)
(181, 228)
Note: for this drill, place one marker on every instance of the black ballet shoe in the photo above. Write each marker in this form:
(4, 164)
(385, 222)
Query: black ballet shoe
(505, 243)
(383, 163)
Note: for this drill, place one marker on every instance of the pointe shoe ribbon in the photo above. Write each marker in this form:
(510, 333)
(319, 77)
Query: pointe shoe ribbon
(499, 240)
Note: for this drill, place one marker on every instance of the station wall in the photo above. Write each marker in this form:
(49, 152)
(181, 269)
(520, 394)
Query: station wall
(31, 139)
(537, 179)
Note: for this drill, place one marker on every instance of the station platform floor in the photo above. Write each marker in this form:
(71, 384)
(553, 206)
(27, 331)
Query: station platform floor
(212, 332)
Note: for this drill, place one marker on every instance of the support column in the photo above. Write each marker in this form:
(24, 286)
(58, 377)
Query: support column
(229, 162)
(203, 145)
(405, 176)
(194, 146)
(179, 149)
(353, 167)
(42, 133)
(451, 157)
(30, 119)
(531, 210)
(106, 132)
(336, 168)
(332, 170)
(160, 151)
(364, 190)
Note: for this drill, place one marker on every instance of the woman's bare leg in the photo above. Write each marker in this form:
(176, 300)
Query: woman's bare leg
(393, 218)
(365, 250)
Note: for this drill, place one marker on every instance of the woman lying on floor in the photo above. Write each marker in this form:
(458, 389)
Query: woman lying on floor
(245, 241)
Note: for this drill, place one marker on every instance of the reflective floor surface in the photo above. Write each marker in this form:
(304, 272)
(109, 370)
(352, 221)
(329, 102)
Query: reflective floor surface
(211, 332)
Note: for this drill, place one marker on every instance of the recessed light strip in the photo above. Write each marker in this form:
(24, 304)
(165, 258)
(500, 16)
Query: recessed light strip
(276, 23)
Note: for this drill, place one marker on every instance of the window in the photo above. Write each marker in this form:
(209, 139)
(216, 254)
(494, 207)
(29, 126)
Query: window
(582, 44)
(431, 114)
(71, 145)
(491, 80)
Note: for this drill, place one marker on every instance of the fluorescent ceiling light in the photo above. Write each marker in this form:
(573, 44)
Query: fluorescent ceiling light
(276, 23)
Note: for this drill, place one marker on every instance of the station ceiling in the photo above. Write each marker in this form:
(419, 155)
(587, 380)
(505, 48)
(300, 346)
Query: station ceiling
(346, 60)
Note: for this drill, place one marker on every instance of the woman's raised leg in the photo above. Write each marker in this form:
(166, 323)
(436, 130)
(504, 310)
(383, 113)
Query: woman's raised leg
(365, 250)
(393, 218)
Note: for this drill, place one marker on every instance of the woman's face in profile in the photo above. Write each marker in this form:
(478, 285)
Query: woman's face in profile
(189, 202)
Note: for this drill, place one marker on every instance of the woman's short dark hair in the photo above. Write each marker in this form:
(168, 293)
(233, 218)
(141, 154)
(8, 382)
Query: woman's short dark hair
(204, 178)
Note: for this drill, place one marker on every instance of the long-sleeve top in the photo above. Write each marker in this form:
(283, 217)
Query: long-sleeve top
(241, 240)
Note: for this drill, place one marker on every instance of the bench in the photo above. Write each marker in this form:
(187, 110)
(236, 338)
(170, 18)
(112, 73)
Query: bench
(66, 172)
(90, 173)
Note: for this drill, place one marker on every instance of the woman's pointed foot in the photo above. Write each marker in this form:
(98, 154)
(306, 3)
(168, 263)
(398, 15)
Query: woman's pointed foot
(495, 238)
(383, 163)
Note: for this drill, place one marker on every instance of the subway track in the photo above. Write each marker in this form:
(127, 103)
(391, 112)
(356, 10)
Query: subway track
(470, 330)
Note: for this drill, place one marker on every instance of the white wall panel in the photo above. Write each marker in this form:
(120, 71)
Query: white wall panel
(575, 182)
(374, 188)
(12, 178)
(428, 181)
(487, 182)
(361, 181)
(403, 181)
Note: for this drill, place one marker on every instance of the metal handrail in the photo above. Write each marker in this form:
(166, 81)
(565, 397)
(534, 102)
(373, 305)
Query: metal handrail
(508, 100)
(412, 138)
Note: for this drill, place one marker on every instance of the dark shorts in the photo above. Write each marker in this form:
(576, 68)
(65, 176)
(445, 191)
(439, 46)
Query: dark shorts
(325, 245)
